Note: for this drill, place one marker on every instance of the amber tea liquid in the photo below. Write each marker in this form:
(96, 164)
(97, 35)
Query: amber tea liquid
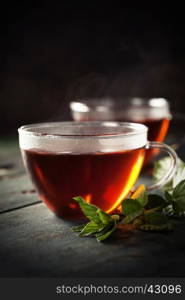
(103, 179)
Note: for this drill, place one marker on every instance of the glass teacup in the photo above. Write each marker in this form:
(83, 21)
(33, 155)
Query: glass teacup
(152, 112)
(99, 161)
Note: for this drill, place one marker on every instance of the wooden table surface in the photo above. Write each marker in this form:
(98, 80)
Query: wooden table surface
(35, 243)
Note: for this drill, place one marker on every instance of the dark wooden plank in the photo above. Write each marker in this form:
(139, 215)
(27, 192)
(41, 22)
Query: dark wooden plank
(10, 158)
(16, 192)
(14, 183)
(36, 243)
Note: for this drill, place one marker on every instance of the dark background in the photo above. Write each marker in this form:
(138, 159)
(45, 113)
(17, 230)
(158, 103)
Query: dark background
(51, 53)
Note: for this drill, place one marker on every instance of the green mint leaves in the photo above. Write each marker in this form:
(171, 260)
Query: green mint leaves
(178, 198)
(146, 212)
(131, 209)
(174, 191)
(101, 224)
(89, 210)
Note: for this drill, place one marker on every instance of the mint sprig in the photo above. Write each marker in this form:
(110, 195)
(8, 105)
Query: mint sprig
(148, 212)
(101, 224)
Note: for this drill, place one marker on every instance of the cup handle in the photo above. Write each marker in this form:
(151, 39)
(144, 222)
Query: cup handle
(172, 167)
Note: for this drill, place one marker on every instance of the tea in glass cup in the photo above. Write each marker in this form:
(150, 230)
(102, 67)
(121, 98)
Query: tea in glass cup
(99, 161)
(152, 112)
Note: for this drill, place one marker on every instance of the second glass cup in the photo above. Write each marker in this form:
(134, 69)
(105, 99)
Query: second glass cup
(152, 112)
(99, 161)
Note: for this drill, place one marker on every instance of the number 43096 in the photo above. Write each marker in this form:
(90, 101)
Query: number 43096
(164, 289)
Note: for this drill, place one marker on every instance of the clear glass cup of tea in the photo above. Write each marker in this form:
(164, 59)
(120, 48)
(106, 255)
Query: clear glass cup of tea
(99, 161)
(152, 112)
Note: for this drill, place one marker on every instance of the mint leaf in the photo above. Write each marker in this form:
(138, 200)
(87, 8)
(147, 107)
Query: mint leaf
(106, 232)
(169, 210)
(155, 201)
(179, 197)
(131, 209)
(104, 217)
(105, 229)
(91, 228)
(179, 191)
(101, 224)
(179, 208)
(130, 206)
(143, 198)
(78, 228)
(156, 218)
(168, 197)
(89, 210)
